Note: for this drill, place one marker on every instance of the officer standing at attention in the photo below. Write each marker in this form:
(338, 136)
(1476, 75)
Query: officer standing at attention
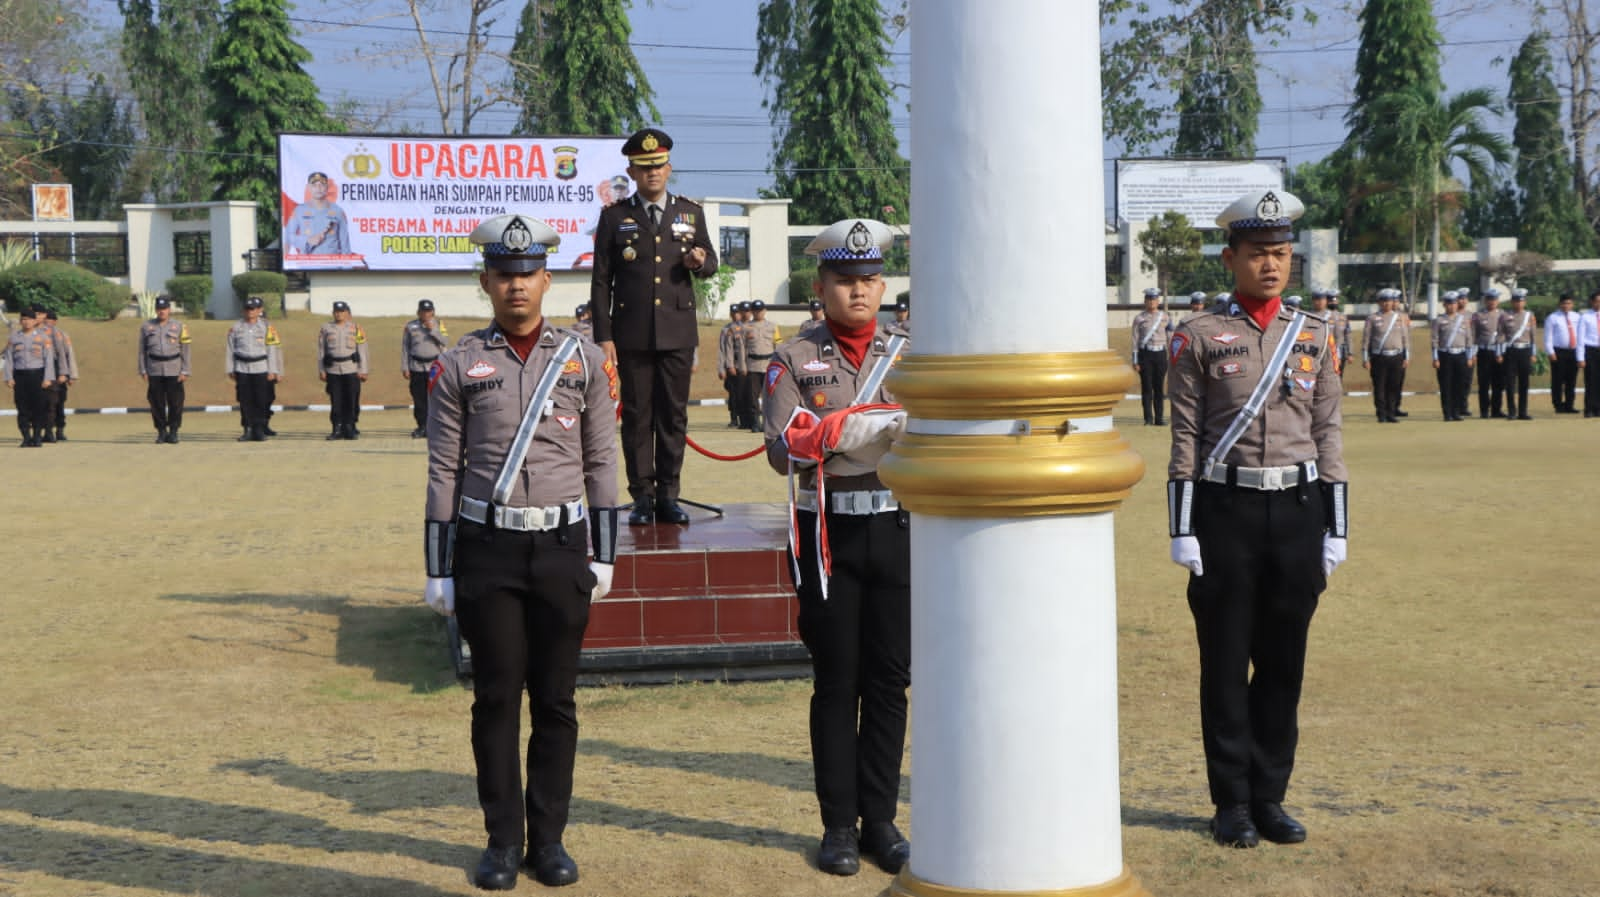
(813, 322)
(253, 358)
(855, 615)
(520, 430)
(646, 250)
(1386, 351)
(164, 366)
(1561, 344)
(1463, 409)
(731, 363)
(1451, 339)
(30, 363)
(1589, 355)
(66, 375)
(583, 322)
(1340, 322)
(1486, 340)
(1151, 328)
(902, 315)
(423, 341)
(761, 339)
(1515, 358)
(1257, 504)
(342, 365)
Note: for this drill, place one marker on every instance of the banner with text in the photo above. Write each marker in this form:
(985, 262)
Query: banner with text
(1199, 189)
(402, 203)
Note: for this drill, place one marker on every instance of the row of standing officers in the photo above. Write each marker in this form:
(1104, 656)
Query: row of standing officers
(40, 366)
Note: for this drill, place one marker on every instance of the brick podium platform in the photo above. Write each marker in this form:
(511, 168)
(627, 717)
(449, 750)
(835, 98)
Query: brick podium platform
(708, 600)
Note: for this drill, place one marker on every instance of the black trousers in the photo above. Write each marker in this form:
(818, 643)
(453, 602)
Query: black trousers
(344, 395)
(1262, 556)
(522, 600)
(418, 384)
(60, 409)
(1591, 380)
(733, 384)
(655, 419)
(1388, 378)
(165, 395)
(754, 381)
(1517, 365)
(251, 391)
(54, 395)
(1152, 385)
(1564, 379)
(28, 392)
(1491, 384)
(1454, 375)
(860, 643)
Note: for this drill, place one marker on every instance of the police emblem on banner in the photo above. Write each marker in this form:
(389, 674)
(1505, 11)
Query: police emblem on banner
(566, 162)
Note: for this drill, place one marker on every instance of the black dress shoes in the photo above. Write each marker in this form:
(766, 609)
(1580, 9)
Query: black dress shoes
(1275, 825)
(1402, 414)
(268, 431)
(419, 433)
(668, 511)
(497, 868)
(1231, 827)
(643, 514)
(887, 847)
(840, 853)
(172, 436)
(552, 866)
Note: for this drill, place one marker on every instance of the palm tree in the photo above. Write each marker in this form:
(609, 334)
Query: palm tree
(1432, 136)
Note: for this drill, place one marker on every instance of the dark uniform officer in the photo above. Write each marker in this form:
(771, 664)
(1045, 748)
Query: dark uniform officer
(253, 360)
(1486, 341)
(1516, 347)
(1386, 351)
(506, 540)
(55, 425)
(1451, 341)
(761, 339)
(855, 619)
(816, 320)
(731, 363)
(424, 340)
(30, 363)
(342, 365)
(902, 315)
(1257, 512)
(164, 365)
(1151, 328)
(646, 250)
(583, 322)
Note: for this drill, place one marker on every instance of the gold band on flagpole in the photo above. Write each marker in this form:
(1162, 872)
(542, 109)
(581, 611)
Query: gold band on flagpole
(1054, 469)
(907, 885)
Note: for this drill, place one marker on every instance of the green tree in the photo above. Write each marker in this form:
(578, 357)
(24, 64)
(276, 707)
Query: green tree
(1219, 101)
(834, 151)
(40, 44)
(259, 89)
(1492, 208)
(166, 51)
(89, 142)
(1553, 222)
(1171, 248)
(526, 87)
(589, 81)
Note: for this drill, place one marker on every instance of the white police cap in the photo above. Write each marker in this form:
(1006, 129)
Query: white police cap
(1519, 293)
(854, 246)
(1333, 292)
(515, 243)
(1451, 296)
(1492, 293)
(1152, 293)
(1294, 301)
(1197, 296)
(1262, 217)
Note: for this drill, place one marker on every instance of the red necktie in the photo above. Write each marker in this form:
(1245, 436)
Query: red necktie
(1572, 337)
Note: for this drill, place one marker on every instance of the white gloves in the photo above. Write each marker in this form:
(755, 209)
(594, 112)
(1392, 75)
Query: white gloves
(440, 593)
(865, 428)
(602, 579)
(1334, 552)
(1186, 553)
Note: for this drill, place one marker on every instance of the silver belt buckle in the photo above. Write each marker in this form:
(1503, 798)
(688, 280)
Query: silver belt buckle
(1272, 478)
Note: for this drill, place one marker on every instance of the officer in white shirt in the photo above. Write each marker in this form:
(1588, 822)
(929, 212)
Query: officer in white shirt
(1561, 341)
(1589, 355)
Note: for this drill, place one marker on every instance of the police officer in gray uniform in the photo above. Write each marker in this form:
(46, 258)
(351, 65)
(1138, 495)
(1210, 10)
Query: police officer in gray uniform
(30, 363)
(761, 339)
(1151, 328)
(342, 364)
(164, 365)
(584, 322)
(813, 322)
(521, 427)
(253, 359)
(55, 427)
(425, 339)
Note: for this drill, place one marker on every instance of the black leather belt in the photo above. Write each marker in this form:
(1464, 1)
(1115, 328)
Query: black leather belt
(343, 358)
(165, 357)
(753, 355)
(420, 360)
(248, 359)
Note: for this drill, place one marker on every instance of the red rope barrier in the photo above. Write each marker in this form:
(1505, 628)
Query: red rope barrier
(716, 457)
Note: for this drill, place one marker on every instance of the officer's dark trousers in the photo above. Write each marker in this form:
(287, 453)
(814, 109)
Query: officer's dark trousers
(60, 410)
(54, 396)
(251, 391)
(734, 384)
(1491, 382)
(754, 383)
(1453, 377)
(1388, 378)
(28, 393)
(1262, 557)
(1564, 379)
(165, 395)
(344, 395)
(1518, 367)
(1591, 380)
(1152, 385)
(655, 419)
(419, 397)
(860, 644)
(522, 600)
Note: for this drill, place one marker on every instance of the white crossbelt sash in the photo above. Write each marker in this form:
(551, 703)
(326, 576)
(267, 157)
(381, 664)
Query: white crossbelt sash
(1258, 396)
(1521, 328)
(1150, 335)
(1455, 328)
(879, 371)
(1384, 340)
(506, 480)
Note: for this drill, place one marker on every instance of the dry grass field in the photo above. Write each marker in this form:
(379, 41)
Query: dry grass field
(219, 679)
